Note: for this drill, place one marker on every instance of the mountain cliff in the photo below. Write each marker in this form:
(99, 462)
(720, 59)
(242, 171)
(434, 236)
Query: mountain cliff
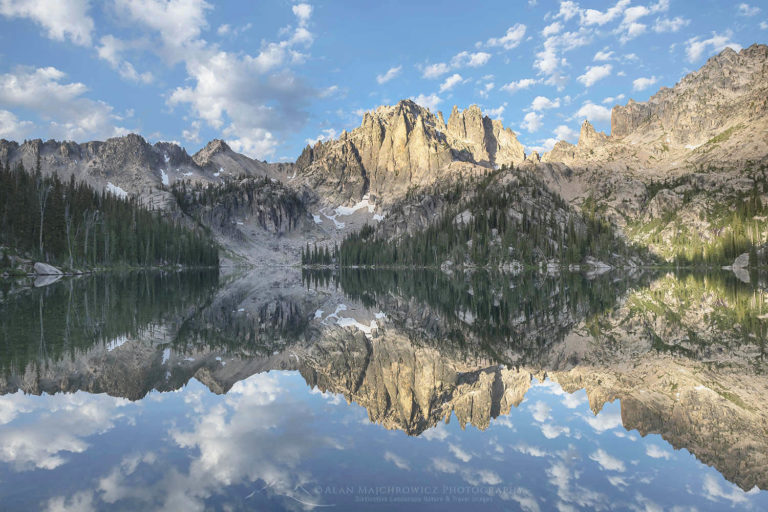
(403, 146)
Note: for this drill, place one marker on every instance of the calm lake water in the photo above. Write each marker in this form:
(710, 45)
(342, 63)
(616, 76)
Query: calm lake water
(381, 390)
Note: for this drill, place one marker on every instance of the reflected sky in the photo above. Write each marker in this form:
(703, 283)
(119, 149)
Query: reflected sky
(272, 442)
(383, 390)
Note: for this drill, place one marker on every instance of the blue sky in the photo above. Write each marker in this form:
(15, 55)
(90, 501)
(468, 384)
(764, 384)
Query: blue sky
(270, 76)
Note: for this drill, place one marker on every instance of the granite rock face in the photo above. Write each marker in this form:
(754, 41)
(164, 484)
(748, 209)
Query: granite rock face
(402, 146)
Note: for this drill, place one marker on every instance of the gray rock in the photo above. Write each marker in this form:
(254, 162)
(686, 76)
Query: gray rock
(44, 269)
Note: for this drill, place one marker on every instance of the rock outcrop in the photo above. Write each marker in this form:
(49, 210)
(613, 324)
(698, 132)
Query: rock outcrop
(402, 146)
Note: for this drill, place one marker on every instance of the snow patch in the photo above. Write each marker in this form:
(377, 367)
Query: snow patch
(164, 178)
(112, 345)
(217, 174)
(166, 355)
(364, 203)
(691, 146)
(317, 219)
(117, 191)
(319, 313)
(188, 173)
(378, 217)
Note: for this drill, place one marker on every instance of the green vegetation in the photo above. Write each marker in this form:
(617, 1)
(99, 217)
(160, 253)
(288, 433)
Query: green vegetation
(730, 225)
(505, 216)
(71, 224)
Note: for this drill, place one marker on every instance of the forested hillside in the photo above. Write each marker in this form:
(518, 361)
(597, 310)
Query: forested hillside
(507, 216)
(72, 225)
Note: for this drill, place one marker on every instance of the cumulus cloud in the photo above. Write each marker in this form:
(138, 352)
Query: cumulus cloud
(552, 29)
(61, 19)
(247, 98)
(303, 13)
(430, 101)
(568, 9)
(748, 10)
(459, 453)
(603, 55)
(110, 49)
(563, 132)
(714, 491)
(532, 122)
(543, 103)
(670, 24)
(550, 61)
(496, 113)
(398, 461)
(71, 115)
(511, 39)
(696, 47)
(612, 99)
(608, 462)
(595, 17)
(13, 129)
(435, 70)
(470, 59)
(523, 83)
(643, 83)
(450, 82)
(606, 420)
(327, 134)
(389, 75)
(593, 74)
(655, 452)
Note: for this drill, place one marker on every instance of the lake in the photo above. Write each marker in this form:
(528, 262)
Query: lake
(283, 389)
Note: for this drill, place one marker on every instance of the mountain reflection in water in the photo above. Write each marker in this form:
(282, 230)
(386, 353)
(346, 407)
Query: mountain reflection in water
(375, 389)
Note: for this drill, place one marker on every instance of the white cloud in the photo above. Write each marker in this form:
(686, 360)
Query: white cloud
(748, 10)
(643, 83)
(696, 47)
(459, 453)
(764, 25)
(444, 465)
(551, 431)
(713, 491)
(430, 101)
(543, 103)
(606, 420)
(110, 49)
(670, 24)
(389, 75)
(496, 113)
(612, 99)
(655, 452)
(398, 461)
(595, 17)
(603, 55)
(327, 134)
(177, 23)
(192, 134)
(525, 498)
(435, 70)
(550, 60)
(511, 39)
(248, 98)
(71, 115)
(532, 123)
(593, 74)
(568, 9)
(78, 502)
(552, 29)
(473, 60)
(608, 462)
(61, 19)
(523, 83)
(303, 13)
(450, 82)
(563, 132)
(13, 129)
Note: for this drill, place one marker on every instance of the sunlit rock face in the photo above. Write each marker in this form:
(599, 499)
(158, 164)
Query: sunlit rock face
(403, 146)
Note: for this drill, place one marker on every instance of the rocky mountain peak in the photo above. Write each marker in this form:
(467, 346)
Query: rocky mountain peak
(214, 147)
(398, 146)
(731, 88)
(589, 137)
